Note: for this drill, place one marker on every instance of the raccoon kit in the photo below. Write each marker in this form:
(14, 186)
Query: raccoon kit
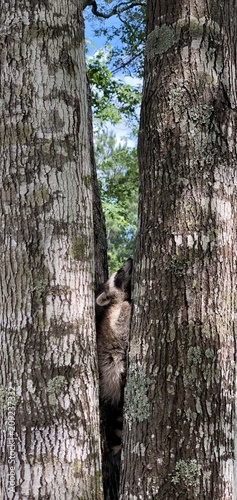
(113, 311)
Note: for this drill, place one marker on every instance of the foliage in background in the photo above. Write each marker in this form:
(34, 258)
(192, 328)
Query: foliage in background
(126, 33)
(118, 180)
(112, 99)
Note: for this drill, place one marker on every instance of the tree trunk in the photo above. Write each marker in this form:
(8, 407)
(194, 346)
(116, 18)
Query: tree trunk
(50, 438)
(100, 240)
(180, 411)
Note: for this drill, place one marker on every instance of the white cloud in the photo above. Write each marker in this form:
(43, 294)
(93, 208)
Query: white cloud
(132, 80)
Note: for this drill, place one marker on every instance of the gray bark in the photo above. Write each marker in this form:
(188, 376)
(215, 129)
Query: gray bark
(100, 240)
(180, 396)
(50, 439)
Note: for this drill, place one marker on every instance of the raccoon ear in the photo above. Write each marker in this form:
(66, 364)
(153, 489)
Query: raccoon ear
(127, 267)
(103, 299)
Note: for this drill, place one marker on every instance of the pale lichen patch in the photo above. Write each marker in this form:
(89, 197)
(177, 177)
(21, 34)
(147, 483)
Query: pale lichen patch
(195, 26)
(186, 473)
(54, 388)
(137, 405)
(161, 39)
(56, 384)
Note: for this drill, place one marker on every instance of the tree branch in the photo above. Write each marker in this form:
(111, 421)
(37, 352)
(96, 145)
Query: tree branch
(118, 9)
(127, 62)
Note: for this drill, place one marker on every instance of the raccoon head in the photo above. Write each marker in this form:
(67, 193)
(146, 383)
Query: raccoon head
(118, 288)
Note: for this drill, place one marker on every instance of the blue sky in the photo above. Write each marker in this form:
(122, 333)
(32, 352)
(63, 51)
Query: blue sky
(92, 22)
(95, 43)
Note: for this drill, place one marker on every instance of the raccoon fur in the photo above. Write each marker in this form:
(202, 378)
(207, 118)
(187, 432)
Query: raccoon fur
(113, 311)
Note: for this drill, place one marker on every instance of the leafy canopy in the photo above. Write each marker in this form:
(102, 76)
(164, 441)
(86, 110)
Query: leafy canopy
(118, 180)
(126, 34)
(114, 101)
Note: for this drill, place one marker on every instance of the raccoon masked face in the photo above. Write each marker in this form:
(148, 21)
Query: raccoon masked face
(118, 288)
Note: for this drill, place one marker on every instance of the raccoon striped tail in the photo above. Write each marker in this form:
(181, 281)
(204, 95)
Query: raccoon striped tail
(113, 428)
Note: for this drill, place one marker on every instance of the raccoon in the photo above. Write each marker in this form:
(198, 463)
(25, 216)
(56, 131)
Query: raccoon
(113, 311)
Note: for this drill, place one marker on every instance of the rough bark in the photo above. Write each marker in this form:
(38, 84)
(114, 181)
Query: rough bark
(179, 435)
(50, 439)
(100, 239)
(101, 275)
